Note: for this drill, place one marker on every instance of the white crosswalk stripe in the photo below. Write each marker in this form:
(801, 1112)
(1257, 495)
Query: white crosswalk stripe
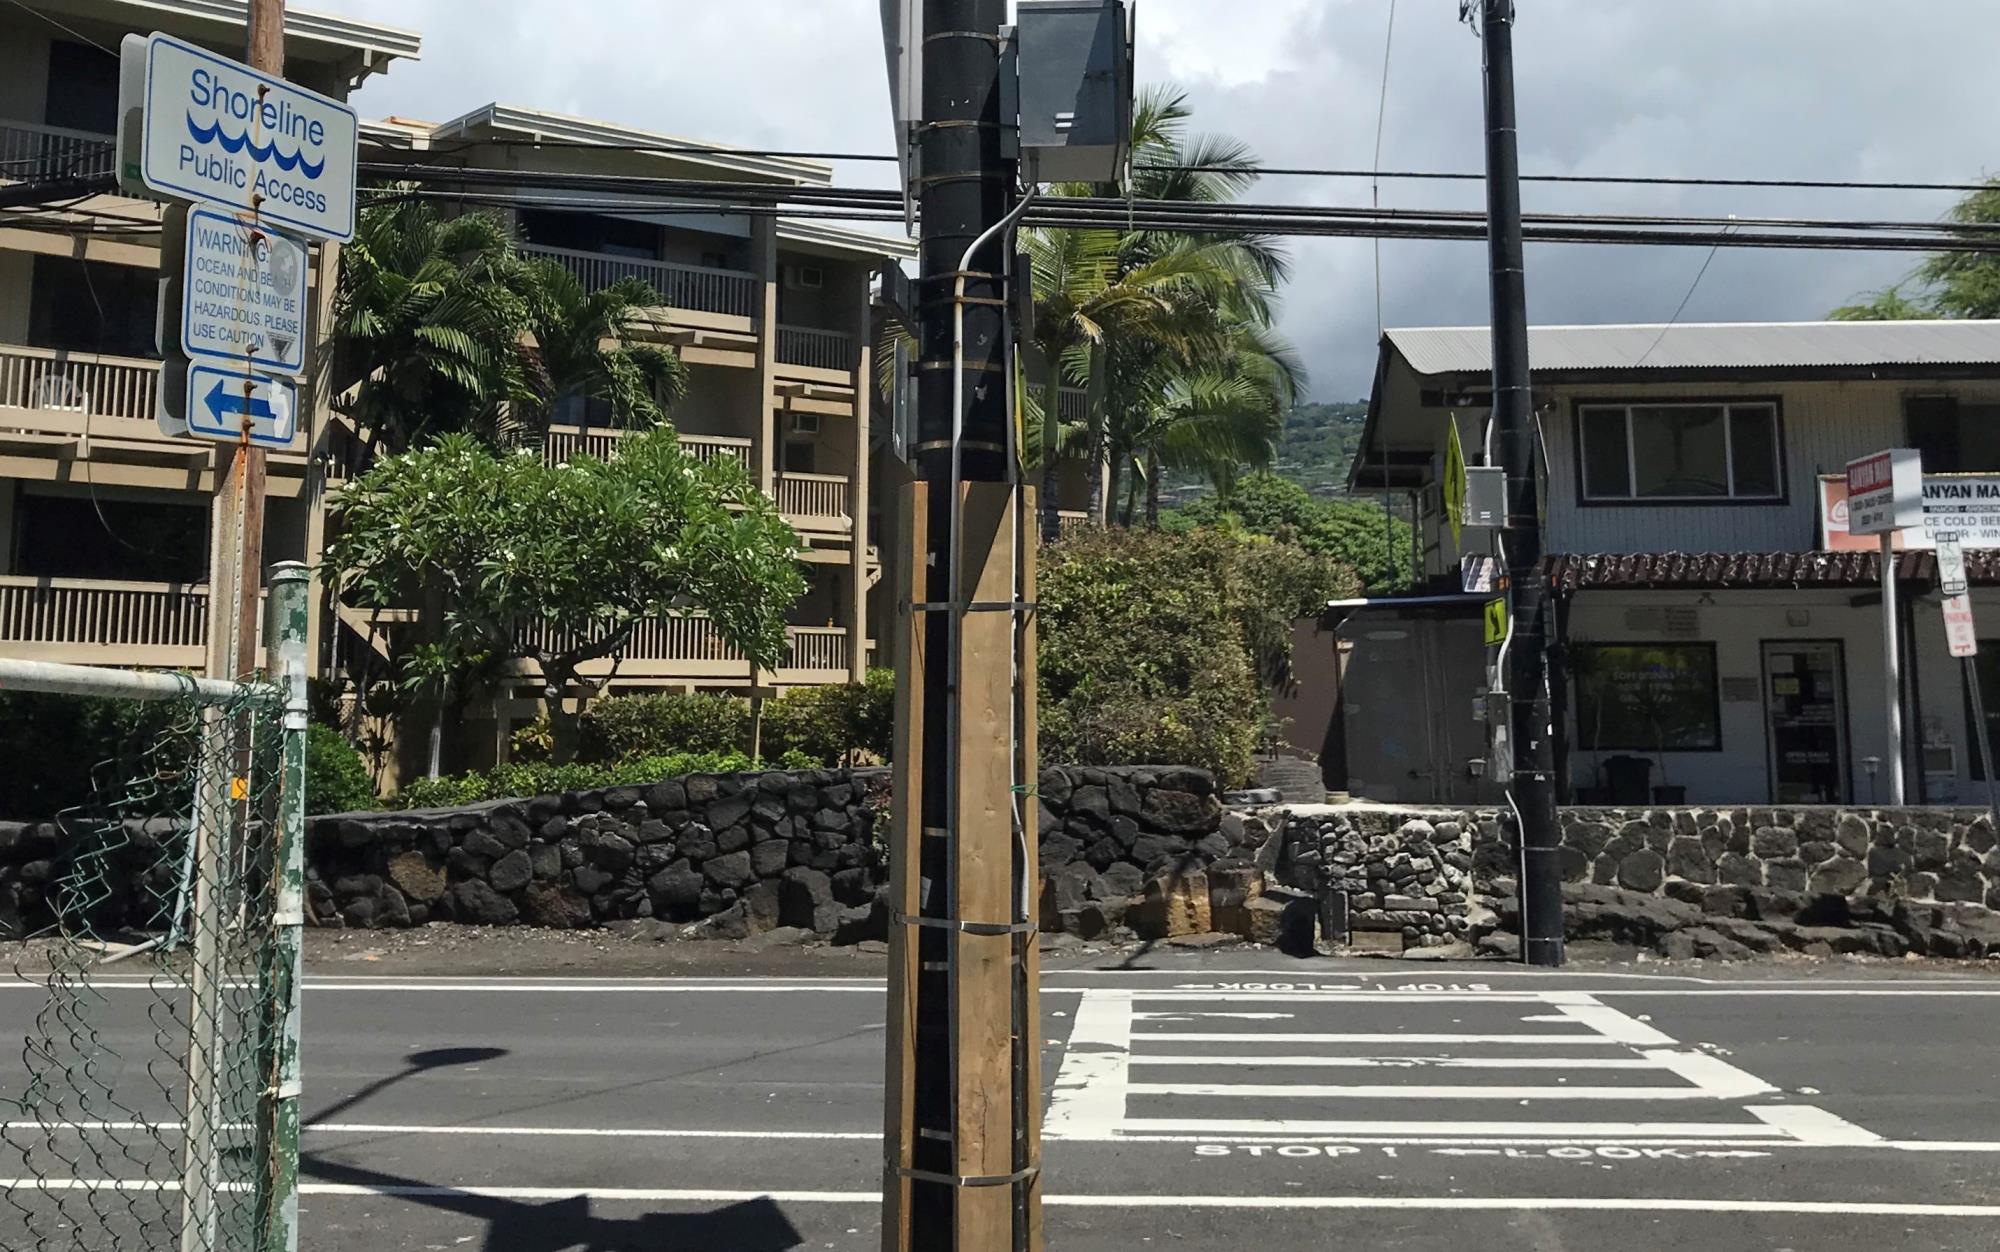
(1146, 1063)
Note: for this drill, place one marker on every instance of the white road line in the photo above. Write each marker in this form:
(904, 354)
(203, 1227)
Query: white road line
(1275, 1037)
(1813, 1125)
(1614, 1025)
(1394, 1091)
(1089, 1096)
(1505, 1130)
(1613, 1204)
(1712, 1076)
(1407, 1062)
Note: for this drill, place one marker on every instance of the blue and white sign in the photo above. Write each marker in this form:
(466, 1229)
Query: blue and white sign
(216, 130)
(243, 294)
(220, 399)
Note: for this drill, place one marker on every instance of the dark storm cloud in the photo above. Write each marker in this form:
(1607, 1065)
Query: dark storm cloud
(1785, 88)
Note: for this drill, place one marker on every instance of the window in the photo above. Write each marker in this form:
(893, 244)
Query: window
(109, 535)
(1713, 451)
(1646, 697)
(83, 88)
(1954, 436)
(93, 306)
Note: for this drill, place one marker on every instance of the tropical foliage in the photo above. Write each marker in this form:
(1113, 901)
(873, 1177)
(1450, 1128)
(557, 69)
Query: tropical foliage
(510, 558)
(441, 327)
(1163, 648)
(1948, 284)
(1356, 533)
(1169, 334)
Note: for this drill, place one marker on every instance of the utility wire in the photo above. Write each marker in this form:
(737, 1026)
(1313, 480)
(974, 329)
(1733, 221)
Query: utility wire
(1274, 171)
(71, 31)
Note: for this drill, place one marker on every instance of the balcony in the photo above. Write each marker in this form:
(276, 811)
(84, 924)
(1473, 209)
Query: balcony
(33, 153)
(732, 293)
(689, 649)
(830, 350)
(563, 443)
(95, 622)
(811, 502)
(815, 501)
(84, 404)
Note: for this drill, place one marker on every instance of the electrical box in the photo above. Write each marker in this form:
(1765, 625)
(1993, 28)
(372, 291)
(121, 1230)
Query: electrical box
(1485, 496)
(1075, 60)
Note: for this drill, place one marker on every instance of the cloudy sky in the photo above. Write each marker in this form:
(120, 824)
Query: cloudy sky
(1857, 89)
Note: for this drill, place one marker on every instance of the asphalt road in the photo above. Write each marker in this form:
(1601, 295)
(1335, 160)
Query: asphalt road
(1207, 1101)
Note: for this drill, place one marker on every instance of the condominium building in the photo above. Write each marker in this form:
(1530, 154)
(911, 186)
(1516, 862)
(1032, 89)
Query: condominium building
(104, 520)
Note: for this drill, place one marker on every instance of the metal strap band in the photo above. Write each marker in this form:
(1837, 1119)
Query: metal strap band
(944, 445)
(968, 928)
(951, 275)
(976, 606)
(964, 34)
(947, 366)
(967, 1180)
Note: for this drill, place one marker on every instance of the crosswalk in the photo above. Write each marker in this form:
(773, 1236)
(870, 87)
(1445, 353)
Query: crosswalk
(1472, 1066)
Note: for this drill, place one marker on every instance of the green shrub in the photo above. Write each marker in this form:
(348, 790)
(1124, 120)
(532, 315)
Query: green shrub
(634, 726)
(56, 751)
(1159, 648)
(540, 778)
(337, 779)
(824, 724)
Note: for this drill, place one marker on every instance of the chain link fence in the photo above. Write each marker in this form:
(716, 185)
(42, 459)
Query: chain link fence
(155, 1104)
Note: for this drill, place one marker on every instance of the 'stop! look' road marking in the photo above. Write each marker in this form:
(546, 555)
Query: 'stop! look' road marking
(1189, 1087)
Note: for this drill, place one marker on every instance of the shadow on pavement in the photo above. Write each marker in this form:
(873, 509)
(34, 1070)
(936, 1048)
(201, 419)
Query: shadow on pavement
(568, 1225)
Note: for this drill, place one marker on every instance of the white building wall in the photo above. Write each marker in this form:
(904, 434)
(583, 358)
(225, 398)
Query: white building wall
(1738, 623)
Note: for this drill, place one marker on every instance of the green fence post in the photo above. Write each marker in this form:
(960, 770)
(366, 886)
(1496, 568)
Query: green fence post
(284, 976)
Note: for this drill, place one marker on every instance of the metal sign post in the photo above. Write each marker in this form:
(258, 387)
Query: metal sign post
(1885, 494)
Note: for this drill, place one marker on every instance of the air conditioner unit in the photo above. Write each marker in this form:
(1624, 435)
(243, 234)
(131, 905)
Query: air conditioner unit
(804, 277)
(805, 423)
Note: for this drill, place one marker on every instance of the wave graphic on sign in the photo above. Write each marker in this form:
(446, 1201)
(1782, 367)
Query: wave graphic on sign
(287, 161)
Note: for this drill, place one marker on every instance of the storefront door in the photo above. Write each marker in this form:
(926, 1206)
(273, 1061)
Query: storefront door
(1805, 703)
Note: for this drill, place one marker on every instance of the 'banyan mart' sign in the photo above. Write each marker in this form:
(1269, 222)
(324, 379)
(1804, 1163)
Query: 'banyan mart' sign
(215, 130)
(1967, 505)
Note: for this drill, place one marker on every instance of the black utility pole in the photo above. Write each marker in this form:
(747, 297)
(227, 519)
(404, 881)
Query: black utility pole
(1532, 789)
(962, 1161)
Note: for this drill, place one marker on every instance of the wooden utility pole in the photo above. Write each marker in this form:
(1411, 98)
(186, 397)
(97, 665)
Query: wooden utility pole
(962, 1135)
(236, 579)
(1531, 788)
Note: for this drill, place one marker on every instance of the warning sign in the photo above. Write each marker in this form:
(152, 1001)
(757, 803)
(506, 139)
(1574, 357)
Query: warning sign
(1496, 622)
(1959, 631)
(1454, 482)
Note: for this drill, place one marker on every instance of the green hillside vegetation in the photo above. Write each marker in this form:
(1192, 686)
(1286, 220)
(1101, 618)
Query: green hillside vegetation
(1318, 444)
(1352, 531)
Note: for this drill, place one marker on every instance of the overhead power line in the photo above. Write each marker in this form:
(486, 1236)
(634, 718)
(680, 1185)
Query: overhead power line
(1272, 171)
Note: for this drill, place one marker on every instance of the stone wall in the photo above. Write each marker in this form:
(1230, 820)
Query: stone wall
(741, 852)
(1405, 877)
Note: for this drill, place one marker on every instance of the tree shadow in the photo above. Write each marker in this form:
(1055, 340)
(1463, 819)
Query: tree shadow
(416, 1063)
(568, 1225)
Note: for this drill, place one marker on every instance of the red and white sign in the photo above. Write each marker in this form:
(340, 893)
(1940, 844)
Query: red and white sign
(1958, 629)
(1967, 505)
(1885, 492)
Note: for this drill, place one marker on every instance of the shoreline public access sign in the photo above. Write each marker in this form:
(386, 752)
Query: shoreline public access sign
(197, 126)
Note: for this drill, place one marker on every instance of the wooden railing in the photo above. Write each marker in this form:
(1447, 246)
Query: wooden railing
(33, 153)
(694, 287)
(1069, 520)
(813, 495)
(816, 648)
(99, 621)
(817, 349)
(78, 382)
(564, 442)
(695, 640)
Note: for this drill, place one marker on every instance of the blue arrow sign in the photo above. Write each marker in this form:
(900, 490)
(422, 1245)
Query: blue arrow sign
(221, 403)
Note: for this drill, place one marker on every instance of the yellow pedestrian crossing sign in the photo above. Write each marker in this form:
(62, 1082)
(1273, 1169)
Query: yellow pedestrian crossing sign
(1454, 481)
(1496, 622)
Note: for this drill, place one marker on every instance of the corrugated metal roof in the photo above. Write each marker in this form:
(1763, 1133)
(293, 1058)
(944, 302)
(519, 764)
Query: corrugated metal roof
(1571, 572)
(1717, 346)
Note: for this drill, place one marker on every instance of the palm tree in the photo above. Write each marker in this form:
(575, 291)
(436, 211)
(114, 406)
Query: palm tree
(427, 324)
(1190, 374)
(585, 353)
